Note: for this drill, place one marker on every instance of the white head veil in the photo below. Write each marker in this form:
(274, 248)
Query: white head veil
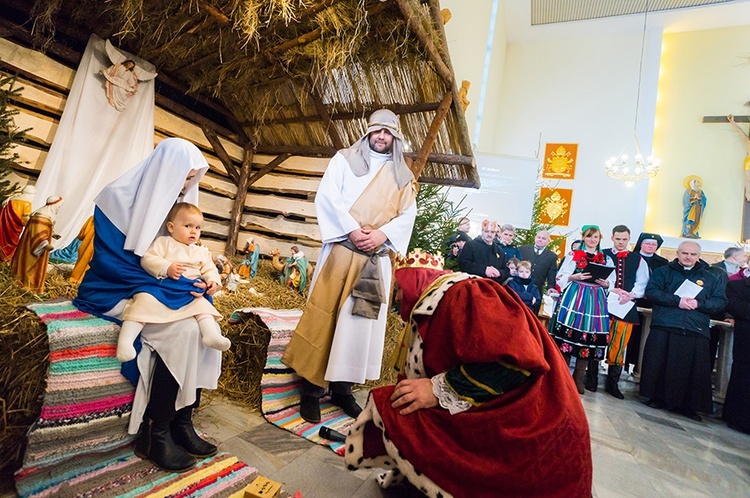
(142, 197)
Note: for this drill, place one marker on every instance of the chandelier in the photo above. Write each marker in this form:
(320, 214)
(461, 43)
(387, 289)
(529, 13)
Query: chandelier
(621, 167)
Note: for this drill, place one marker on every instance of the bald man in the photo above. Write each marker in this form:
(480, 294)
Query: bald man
(676, 370)
(543, 261)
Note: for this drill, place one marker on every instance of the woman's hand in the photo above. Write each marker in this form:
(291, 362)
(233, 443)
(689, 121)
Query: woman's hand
(602, 282)
(210, 288)
(414, 394)
(579, 276)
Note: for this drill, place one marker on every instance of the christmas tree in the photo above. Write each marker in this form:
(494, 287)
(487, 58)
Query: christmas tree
(10, 135)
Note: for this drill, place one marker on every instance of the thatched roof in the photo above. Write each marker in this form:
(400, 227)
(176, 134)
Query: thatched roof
(297, 76)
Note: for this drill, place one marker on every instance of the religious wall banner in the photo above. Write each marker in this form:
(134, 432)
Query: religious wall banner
(556, 205)
(560, 161)
(560, 248)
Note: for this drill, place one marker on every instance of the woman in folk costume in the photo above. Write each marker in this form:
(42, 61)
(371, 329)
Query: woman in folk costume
(366, 209)
(173, 364)
(580, 326)
(484, 405)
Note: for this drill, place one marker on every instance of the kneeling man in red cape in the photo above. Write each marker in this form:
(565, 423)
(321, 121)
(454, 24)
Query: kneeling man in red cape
(485, 405)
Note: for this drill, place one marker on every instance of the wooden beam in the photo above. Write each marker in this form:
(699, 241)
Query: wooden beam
(221, 153)
(724, 119)
(464, 139)
(193, 116)
(357, 114)
(268, 168)
(432, 134)
(235, 218)
(415, 25)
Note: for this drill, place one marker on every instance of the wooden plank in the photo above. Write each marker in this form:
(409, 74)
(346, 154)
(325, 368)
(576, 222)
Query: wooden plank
(281, 205)
(221, 153)
(282, 226)
(31, 62)
(37, 96)
(174, 125)
(432, 134)
(43, 128)
(274, 183)
(30, 159)
(298, 164)
(238, 206)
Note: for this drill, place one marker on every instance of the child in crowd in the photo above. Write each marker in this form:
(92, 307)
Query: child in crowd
(525, 287)
(172, 257)
(513, 266)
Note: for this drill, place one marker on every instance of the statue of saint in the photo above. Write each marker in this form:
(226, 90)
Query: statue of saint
(693, 204)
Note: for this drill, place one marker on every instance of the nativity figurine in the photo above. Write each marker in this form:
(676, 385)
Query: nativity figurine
(29, 263)
(14, 214)
(249, 265)
(296, 271)
(121, 78)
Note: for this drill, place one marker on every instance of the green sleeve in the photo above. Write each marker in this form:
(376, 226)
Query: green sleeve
(478, 383)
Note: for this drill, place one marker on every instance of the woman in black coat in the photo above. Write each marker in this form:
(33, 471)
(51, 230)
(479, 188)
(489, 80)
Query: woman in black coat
(737, 401)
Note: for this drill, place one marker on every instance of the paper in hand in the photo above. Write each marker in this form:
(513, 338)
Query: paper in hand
(615, 308)
(688, 289)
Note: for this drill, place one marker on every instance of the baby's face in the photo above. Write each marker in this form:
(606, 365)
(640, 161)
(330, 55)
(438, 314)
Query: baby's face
(186, 227)
(524, 272)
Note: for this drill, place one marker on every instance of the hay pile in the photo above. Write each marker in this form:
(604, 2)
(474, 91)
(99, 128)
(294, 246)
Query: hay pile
(24, 352)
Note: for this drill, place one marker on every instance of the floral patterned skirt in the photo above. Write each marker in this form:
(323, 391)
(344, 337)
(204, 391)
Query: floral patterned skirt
(580, 326)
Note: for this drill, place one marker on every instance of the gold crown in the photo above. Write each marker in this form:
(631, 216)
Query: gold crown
(418, 258)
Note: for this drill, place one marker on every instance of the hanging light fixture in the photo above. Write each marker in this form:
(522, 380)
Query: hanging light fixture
(640, 168)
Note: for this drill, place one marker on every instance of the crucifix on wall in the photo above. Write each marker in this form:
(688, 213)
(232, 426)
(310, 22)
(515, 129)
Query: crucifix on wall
(733, 120)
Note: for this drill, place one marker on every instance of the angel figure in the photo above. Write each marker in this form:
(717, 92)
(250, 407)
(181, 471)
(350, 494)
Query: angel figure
(122, 78)
(746, 141)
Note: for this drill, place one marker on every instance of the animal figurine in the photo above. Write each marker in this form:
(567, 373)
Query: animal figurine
(296, 271)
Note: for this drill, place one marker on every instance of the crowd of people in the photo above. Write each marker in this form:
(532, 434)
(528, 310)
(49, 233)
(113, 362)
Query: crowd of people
(457, 420)
(598, 293)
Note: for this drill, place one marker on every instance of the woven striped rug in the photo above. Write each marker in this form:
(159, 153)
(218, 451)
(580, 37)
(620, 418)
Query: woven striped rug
(280, 386)
(79, 446)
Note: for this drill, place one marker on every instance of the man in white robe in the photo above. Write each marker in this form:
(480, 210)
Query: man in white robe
(366, 209)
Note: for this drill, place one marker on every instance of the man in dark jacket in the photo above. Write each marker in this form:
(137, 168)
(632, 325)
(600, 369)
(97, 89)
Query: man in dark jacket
(676, 370)
(484, 258)
(543, 261)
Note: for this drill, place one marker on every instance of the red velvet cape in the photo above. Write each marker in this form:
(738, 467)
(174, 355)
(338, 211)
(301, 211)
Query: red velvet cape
(532, 441)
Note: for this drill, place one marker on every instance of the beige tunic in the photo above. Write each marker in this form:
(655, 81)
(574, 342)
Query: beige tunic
(198, 263)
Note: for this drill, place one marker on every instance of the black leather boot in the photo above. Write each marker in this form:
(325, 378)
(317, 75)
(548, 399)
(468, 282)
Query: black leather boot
(347, 403)
(309, 409)
(184, 435)
(613, 377)
(155, 443)
(592, 376)
(579, 372)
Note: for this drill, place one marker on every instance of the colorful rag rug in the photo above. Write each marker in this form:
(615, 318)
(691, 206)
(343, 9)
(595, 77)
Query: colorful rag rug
(79, 446)
(280, 386)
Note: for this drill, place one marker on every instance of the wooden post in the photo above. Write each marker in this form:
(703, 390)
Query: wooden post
(222, 154)
(415, 25)
(235, 218)
(432, 134)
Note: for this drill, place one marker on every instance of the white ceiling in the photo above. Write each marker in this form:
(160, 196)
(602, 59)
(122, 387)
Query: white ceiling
(517, 15)
(552, 11)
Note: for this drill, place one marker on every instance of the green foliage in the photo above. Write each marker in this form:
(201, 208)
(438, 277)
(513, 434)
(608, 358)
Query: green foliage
(9, 134)
(437, 219)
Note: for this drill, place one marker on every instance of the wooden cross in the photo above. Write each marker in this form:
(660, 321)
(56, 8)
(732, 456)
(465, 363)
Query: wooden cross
(746, 204)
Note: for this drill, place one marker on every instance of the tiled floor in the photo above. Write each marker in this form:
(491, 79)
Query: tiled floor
(637, 451)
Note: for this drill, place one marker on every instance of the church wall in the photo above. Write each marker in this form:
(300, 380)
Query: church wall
(704, 73)
(580, 90)
(279, 208)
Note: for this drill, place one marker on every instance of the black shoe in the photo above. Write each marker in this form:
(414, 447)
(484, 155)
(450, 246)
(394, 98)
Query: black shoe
(655, 403)
(692, 415)
(347, 403)
(309, 409)
(184, 435)
(155, 443)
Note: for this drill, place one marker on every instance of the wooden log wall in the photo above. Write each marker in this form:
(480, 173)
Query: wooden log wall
(279, 211)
